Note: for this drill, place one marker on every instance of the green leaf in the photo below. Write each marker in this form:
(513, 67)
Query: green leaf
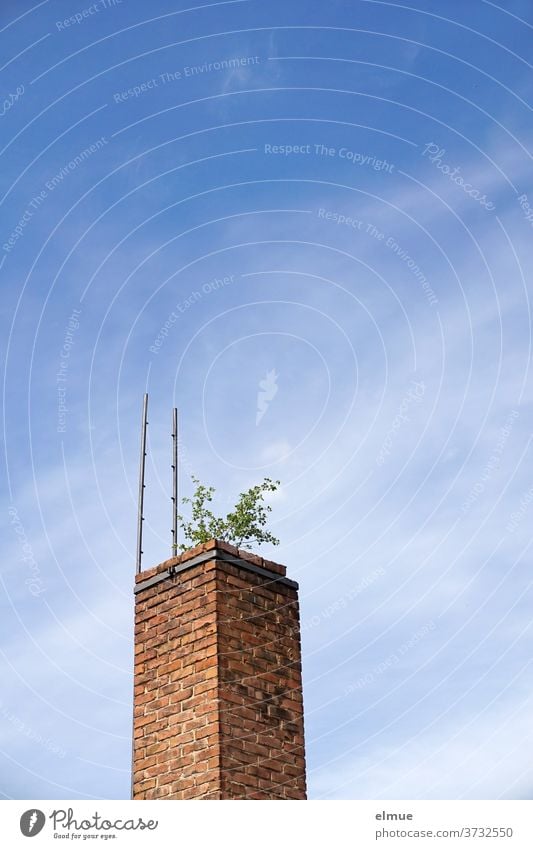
(242, 527)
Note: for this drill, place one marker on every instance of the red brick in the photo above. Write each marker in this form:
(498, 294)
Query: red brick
(218, 710)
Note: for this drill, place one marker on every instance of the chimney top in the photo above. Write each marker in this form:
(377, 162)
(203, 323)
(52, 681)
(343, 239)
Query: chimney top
(213, 549)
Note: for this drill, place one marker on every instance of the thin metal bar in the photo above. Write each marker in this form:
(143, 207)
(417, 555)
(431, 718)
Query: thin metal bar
(140, 520)
(140, 517)
(174, 481)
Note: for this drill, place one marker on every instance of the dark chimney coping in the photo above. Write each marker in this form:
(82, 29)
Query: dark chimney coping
(200, 553)
(215, 546)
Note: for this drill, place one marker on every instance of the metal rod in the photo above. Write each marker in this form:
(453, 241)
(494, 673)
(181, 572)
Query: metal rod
(174, 481)
(140, 520)
(140, 517)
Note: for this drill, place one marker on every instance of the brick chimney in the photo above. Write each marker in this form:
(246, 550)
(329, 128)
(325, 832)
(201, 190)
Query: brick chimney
(218, 709)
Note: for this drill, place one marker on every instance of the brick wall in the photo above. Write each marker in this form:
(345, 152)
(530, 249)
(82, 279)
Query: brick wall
(218, 711)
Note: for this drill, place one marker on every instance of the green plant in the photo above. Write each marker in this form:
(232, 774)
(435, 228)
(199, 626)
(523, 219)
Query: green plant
(242, 527)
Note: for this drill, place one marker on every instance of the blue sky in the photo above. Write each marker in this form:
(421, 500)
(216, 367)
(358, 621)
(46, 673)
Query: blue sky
(337, 195)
